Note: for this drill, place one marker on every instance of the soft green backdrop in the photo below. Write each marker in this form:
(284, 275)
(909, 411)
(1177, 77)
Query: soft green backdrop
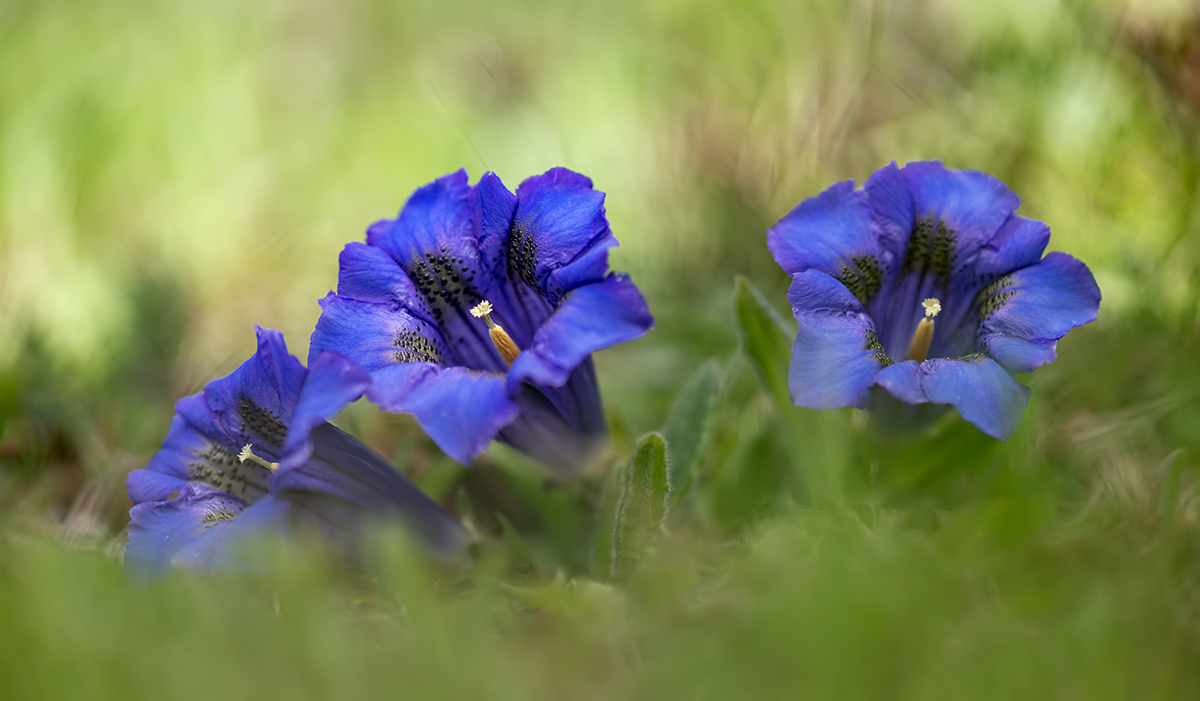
(172, 173)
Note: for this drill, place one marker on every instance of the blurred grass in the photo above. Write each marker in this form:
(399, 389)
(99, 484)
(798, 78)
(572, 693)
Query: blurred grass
(173, 173)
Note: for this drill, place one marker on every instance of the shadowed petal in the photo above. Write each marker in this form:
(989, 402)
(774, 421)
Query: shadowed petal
(332, 383)
(219, 545)
(589, 319)
(178, 449)
(565, 438)
(342, 467)
(251, 404)
(159, 530)
(835, 355)
(982, 391)
(200, 449)
(460, 409)
(148, 485)
(1025, 313)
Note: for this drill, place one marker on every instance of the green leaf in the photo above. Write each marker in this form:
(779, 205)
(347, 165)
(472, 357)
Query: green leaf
(645, 500)
(765, 340)
(814, 439)
(687, 428)
(610, 498)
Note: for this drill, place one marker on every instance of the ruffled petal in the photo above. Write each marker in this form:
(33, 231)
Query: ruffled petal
(159, 530)
(374, 336)
(147, 485)
(343, 468)
(971, 204)
(497, 207)
(560, 237)
(836, 355)
(203, 456)
(437, 218)
(827, 232)
(1025, 313)
(461, 409)
(983, 392)
(254, 403)
(178, 449)
(890, 200)
(588, 319)
(853, 235)
(332, 383)
(1017, 244)
(228, 543)
(369, 274)
(435, 241)
(956, 213)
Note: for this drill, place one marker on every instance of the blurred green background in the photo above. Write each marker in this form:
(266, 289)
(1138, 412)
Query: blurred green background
(173, 173)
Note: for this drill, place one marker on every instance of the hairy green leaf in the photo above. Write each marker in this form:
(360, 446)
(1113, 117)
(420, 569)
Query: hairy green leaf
(645, 500)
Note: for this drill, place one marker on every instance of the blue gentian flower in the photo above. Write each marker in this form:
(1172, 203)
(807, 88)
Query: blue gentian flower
(477, 311)
(926, 284)
(254, 454)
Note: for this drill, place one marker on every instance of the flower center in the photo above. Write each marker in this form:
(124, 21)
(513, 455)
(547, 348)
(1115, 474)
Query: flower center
(919, 348)
(500, 338)
(248, 454)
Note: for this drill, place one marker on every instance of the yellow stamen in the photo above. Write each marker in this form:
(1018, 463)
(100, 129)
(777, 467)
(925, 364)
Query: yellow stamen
(248, 454)
(919, 348)
(500, 338)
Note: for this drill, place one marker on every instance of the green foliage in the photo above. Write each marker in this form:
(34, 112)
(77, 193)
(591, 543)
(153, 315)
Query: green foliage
(766, 340)
(173, 173)
(814, 441)
(686, 431)
(644, 503)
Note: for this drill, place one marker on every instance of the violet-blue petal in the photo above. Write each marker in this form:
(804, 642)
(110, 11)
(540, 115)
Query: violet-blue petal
(589, 318)
(1025, 313)
(228, 544)
(566, 437)
(249, 403)
(971, 204)
(342, 467)
(461, 409)
(149, 485)
(984, 393)
(159, 529)
(168, 468)
(497, 207)
(1017, 244)
(437, 217)
(559, 230)
(374, 335)
(890, 200)
(835, 356)
(825, 232)
(332, 383)
(368, 273)
(955, 214)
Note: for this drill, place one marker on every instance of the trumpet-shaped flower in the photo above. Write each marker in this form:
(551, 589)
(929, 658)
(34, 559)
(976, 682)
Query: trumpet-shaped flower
(477, 311)
(925, 283)
(254, 454)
